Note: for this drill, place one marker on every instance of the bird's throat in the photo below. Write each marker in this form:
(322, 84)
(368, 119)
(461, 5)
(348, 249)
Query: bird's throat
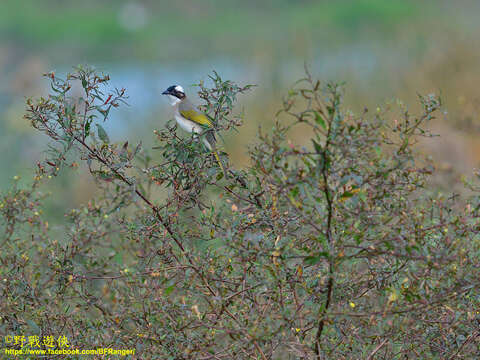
(173, 100)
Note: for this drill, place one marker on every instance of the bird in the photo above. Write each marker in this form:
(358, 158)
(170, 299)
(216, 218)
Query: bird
(192, 120)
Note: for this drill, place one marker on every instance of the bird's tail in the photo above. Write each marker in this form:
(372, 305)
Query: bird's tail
(220, 162)
(210, 141)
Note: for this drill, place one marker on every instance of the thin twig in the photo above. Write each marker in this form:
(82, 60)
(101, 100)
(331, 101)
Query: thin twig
(468, 340)
(370, 357)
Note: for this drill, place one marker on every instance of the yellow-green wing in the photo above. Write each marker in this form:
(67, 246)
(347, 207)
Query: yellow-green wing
(197, 117)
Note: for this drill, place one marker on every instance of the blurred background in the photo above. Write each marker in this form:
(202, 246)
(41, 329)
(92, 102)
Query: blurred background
(382, 49)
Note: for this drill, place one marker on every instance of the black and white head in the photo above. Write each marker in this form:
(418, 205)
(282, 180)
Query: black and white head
(175, 93)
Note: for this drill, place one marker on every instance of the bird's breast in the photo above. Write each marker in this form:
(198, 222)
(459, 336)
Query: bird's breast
(187, 125)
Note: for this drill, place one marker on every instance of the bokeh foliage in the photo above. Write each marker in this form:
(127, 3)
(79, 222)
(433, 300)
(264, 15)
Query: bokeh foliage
(105, 30)
(339, 250)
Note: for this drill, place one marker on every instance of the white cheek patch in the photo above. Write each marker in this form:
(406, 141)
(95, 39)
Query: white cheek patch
(173, 100)
(179, 89)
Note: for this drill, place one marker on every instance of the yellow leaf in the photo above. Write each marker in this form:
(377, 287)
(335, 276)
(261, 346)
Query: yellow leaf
(393, 296)
(299, 270)
(196, 311)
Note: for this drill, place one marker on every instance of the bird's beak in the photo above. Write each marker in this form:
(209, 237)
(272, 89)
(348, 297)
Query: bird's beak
(166, 92)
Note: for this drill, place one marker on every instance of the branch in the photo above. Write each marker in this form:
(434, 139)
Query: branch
(370, 357)
(155, 210)
(328, 235)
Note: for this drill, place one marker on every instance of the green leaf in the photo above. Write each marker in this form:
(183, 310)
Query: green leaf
(169, 289)
(34, 327)
(320, 121)
(103, 112)
(55, 89)
(215, 243)
(102, 134)
(87, 128)
(295, 191)
(347, 194)
(317, 146)
(321, 238)
(105, 176)
(312, 260)
(118, 258)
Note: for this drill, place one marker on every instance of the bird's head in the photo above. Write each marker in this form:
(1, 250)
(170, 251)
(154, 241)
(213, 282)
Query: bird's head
(175, 93)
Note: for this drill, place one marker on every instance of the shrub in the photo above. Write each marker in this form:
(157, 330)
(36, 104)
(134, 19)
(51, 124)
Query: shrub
(338, 249)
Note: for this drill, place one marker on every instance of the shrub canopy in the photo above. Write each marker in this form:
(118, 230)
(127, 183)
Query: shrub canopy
(338, 249)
